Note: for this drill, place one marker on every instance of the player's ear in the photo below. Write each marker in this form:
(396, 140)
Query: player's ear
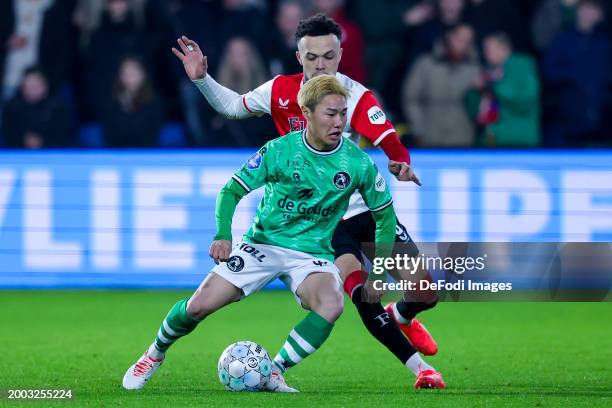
(340, 55)
(299, 57)
(305, 112)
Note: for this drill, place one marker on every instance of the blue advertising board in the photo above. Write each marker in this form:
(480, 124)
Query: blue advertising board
(146, 218)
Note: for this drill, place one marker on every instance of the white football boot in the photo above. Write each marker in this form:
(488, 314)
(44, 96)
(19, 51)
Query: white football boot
(137, 375)
(277, 382)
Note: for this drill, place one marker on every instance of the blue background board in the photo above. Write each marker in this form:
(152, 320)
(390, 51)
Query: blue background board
(146, 218)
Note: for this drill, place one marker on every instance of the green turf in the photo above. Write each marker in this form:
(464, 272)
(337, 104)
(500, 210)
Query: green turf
(491, 354)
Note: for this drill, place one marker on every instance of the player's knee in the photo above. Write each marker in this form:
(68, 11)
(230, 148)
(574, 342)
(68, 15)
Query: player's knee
(200, 308)
(330, 305)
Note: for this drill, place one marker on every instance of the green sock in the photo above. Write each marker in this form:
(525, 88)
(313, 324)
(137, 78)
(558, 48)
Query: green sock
(176, 325)
(304, 339)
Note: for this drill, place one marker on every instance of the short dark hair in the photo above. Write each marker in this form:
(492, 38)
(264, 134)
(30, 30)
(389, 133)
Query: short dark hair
(34, 69)
(317, 25)
(501, 37)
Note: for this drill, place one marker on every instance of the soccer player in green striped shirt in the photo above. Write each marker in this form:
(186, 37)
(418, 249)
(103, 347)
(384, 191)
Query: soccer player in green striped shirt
(308, 177)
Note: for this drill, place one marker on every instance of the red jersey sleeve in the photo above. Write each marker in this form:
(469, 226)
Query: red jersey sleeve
(370, 121)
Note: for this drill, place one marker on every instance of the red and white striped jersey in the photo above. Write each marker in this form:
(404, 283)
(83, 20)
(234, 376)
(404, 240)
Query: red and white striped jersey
(278, 98)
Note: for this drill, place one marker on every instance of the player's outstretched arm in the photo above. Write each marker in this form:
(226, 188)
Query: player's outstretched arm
(225, 101)
(227, 200)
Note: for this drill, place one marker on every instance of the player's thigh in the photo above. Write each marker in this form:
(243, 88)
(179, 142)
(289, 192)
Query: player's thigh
(213, 293)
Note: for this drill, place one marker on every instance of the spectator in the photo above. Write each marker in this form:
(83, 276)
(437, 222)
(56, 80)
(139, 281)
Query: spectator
(281, 45)
(88, 16)
(383, 28)
(197, 20)
(434, 91)
(37, 27)
(33, 118)
(353, 48)
(241, 18)
(240, 69)
(550, 18)
(489, 16)
(117, 37)
(134, 115)
(507, 97)
(428, 23)
(577, 67)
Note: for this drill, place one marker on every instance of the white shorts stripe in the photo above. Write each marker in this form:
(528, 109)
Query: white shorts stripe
(163, 338)
(293, 355)
(169, 329)
(302, 343)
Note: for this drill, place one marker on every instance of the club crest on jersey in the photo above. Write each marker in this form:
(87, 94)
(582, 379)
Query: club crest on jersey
(379, 184)
(254, 161)
(235, 263)
(342, 180)
(376, 116)
(296, 124)
(283, 104)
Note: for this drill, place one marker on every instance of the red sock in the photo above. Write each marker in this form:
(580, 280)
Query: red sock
(354, 280)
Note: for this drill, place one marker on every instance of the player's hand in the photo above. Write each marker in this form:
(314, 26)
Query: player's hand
(369, 294)
(403, 172)
(220, 250)
(194, 62)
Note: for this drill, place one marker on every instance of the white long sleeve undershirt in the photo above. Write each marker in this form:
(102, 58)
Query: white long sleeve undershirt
(225, 101)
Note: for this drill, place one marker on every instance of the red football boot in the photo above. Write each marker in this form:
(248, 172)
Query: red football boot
(418, 335)
(429, 379)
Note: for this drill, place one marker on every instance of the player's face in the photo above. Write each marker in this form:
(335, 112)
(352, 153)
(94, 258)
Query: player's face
(326, 122)
(319, 55)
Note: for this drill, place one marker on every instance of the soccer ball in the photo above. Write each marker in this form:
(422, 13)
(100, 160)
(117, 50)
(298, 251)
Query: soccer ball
(244, 366)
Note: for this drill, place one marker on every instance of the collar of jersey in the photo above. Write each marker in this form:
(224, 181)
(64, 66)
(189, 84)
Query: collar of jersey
(321, 152)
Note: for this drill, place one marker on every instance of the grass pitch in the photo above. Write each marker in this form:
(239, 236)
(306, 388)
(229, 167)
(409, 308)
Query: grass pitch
(491, 354)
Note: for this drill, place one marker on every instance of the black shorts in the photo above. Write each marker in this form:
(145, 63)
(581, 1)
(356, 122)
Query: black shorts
(350, 234)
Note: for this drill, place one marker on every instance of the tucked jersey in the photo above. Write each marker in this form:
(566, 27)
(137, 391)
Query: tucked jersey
(307, 191)
(278, 98)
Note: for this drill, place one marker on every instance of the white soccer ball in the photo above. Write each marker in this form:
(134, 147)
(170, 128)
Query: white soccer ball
(244, 366)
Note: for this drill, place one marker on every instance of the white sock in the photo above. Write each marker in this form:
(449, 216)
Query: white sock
(416, 364)
(398, 316)
(154, 353)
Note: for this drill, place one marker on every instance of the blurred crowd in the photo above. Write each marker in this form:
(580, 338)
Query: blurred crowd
(449, 73)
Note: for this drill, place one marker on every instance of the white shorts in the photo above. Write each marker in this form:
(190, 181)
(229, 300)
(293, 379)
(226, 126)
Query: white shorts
(250, 267)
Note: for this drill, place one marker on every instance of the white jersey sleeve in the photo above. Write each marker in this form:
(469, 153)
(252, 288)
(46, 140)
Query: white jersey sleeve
(222, 99)
(258, 100)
